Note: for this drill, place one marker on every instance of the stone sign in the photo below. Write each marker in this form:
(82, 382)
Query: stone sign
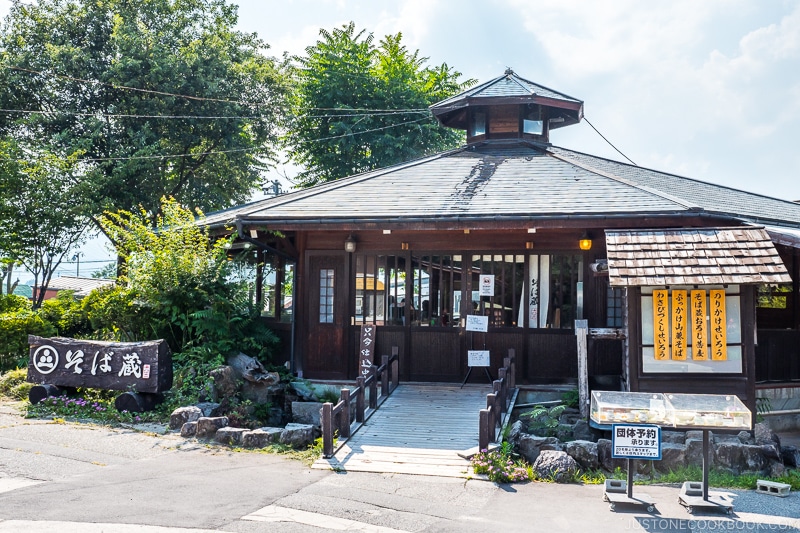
(127, 366)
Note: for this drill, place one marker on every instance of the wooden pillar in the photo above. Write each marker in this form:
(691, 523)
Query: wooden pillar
(581, 331)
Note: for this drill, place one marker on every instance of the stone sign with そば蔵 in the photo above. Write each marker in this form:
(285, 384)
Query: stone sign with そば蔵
(144, 367)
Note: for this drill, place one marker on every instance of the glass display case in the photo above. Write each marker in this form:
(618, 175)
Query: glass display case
(610, 407)
(684, 411)
(708, 411)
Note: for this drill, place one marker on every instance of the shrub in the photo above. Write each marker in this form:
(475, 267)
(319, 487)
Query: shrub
(67, 315)
(500, 465)
(13, 384)
(14, 330)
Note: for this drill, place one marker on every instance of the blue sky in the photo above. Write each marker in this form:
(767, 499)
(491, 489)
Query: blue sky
(708, 90)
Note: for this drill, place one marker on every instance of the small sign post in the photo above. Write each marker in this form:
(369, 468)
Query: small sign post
(632, 441)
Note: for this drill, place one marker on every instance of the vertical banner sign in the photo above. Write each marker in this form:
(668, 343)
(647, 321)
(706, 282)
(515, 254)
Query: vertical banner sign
(660, 337)
(680, 321)
(366, 348)
(699, 326)
(719, 348)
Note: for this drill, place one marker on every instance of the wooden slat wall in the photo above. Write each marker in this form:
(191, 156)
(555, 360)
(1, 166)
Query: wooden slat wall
(778, 356)
(552, 357)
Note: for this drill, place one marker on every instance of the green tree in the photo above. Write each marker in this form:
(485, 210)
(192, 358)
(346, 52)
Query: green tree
(179, 286)
(41, 218)
(159, 97)
(360, 106)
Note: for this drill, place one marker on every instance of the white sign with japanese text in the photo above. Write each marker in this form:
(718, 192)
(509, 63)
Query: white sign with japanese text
(478, 358)
(477, 323)
(630, 441)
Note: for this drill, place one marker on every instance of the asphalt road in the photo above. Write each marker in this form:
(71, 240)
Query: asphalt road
(87, 478)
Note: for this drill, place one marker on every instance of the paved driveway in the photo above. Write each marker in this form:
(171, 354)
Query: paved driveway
(92, 479)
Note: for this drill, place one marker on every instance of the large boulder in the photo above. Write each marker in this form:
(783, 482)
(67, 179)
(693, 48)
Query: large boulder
(181, 415)
(583, 431)
(297, 435)
(306, 413)
(730, 455)
(303, 391)
(604, 456)
(250, 369)
(259, 438)
(673, 457)
(673, 437)
(584, 452)
(555, 465)
(225, 383)
(189, 429)
(763, 434)
(530, 446)
(694, 450)
(753, 459)
(208, 426)
(262, 392)
(745, 437)
(230, 436)
(790, 456)
(517, 430)
(210, 408)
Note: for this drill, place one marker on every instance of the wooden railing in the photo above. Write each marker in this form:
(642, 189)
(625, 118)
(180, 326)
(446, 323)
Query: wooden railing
(337, 417)
(497, 403)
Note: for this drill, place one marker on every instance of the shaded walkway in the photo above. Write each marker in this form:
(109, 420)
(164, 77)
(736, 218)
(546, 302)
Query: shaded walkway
(419, 429)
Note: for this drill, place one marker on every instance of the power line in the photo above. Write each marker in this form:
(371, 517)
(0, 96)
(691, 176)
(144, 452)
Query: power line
(128, 88)
(215, 152)
(367, 113)
(609, 142)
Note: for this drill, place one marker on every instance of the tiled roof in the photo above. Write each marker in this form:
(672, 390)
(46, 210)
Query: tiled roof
(712, 198)
(498, 181)
(697, 256)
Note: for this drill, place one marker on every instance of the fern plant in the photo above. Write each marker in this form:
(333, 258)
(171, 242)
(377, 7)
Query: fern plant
(543, 418)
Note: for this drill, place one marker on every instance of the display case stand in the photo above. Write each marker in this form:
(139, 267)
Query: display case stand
(618, 491)
(694, 495)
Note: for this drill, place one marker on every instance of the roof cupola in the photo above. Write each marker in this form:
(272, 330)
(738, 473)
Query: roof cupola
(508, 107)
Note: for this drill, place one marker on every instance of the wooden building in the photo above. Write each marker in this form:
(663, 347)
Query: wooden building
(534, 237)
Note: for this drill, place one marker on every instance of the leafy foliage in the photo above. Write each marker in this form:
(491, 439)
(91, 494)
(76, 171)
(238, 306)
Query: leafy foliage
(66, 314)
(180, 287)
(154, 98)
(543, 418)
(13, 384)
(360, 106)
(571, 398)
(17, 321)
(41, 219)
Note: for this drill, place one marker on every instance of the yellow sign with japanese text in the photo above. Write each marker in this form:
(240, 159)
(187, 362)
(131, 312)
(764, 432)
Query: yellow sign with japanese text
(680, 324)
(699, 326)
(660, 324)
(719, 347)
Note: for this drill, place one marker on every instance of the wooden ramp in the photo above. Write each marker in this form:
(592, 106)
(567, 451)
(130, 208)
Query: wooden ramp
(419, 429)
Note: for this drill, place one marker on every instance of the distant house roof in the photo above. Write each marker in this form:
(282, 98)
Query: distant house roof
(24, 290)
(498, 181)
(81, 286)
(697, 256)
